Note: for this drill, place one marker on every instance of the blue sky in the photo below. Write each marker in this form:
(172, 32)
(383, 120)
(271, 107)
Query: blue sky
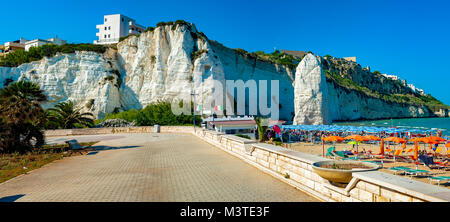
(405, 38)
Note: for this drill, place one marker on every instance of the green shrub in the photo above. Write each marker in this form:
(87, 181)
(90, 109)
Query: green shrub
(161, 113)
(125, 37)
(243, 136)
(19, 57)
(129, 115)
(195, 55)
(156, 113)
(241, 51)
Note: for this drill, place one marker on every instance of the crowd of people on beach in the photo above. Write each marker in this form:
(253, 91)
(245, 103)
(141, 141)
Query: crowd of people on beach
(294, 135)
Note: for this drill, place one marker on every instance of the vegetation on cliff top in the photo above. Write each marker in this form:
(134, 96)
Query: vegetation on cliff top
(155, 113)
(19, 57)
(403, 96)
(275, 57)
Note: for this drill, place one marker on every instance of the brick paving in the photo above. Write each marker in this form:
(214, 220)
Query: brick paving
(149, 167)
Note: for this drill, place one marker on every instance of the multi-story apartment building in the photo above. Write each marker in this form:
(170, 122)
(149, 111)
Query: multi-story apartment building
(40, 42)
(23, 44)
(116, 26)
(15, 45)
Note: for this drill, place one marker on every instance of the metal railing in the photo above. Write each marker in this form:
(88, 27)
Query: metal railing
(107, 40)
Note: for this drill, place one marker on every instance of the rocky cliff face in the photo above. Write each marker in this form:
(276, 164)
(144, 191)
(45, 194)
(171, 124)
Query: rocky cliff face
(320, 100)
(172, 60)
(311, 93)
(86, 78)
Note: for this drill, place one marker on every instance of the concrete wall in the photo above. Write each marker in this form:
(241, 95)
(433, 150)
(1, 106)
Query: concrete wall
(372, 186)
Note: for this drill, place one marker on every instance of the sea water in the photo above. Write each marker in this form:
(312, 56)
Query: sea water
(421, 124)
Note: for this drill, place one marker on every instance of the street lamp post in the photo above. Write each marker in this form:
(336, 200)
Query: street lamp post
(193, 94)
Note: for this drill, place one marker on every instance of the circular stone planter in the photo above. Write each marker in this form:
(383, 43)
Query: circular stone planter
(341, 176)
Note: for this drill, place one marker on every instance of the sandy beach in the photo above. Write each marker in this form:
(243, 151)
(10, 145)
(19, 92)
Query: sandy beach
(316, 149)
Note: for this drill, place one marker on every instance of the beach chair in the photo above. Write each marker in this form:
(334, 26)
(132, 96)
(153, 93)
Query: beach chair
(352, 158)
(439, 179)
(409, 151)
(75, 146)
(330, 152)
(429, 162)
(415, 172)
(375, 155)
(341, 154)
(437, 152)
(375, 162)
(399, 170)
(388, 151)
(397, 154)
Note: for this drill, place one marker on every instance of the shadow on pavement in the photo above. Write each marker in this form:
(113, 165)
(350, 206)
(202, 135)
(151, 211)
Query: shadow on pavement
(104, 148)
(11, 198)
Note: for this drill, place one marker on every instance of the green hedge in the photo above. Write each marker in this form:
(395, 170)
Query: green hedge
(19, 57)
(156, 113)
(161, 113)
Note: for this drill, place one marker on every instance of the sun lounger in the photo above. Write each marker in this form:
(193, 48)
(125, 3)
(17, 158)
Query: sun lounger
(375, 162)
(352, 158)
(399, 170)
(330, 152)
(375, 155)
(341, 154)
(412, 172)
(429, 162)
(439, 179)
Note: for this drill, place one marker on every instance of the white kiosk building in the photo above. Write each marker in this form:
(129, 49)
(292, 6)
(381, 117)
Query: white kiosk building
(116, 26)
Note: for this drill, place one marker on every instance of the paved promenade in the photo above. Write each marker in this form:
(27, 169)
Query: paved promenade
(149, 167)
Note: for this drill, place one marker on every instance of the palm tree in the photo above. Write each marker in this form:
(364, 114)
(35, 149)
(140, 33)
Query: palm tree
(67, 116)
(261, 129)
(21, 116)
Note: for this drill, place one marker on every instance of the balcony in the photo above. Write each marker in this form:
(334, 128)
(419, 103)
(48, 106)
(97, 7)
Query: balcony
(107, 41)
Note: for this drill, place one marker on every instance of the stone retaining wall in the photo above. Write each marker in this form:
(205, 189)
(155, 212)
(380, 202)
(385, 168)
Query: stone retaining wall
(110, 130)
(295, 168)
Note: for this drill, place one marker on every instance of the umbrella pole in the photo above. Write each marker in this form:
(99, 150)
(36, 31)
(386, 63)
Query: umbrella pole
(323, 149)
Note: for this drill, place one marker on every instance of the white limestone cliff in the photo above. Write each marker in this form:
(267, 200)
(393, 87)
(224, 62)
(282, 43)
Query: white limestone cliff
(171, 61)
(311, 93)
(79, 77)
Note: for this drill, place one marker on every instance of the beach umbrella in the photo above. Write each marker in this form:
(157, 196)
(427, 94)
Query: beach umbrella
(447, 145)
(357, 138)
(370, 137)
(332, 139)
(417, 139)
(436, 138)
(395, 139)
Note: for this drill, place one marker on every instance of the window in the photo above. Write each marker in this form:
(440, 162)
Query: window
(105, 28)
(109, 28)
(105, 36)
(122, 19)
(106, 19)
(109, 36)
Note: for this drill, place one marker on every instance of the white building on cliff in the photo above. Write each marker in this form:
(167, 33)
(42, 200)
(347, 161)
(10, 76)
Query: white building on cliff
(116, 26)
(40, 42)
